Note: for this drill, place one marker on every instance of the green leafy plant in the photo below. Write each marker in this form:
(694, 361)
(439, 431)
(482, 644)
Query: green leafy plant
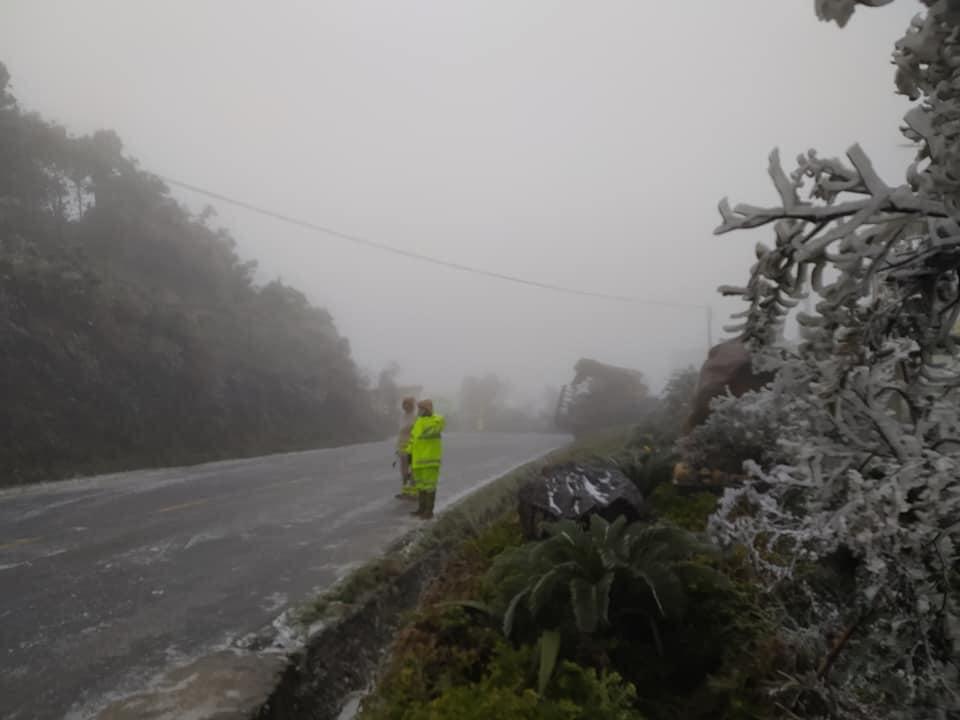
(648, 466)
(504, 692)
(549, 652)
(581, 582)
(688, 511)
(447, 666)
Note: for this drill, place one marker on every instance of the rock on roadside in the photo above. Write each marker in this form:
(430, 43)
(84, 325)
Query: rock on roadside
(573, 491)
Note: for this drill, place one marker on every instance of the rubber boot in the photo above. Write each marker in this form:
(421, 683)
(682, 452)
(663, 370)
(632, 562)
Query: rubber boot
(421, 504)
(430, 499)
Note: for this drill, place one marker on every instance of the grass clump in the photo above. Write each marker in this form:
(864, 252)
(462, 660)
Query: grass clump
(504, 692)
(688, 511)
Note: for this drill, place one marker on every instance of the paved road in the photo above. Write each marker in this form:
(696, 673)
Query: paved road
(103, 581)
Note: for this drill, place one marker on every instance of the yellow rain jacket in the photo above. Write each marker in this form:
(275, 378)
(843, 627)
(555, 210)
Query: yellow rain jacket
(426, 449)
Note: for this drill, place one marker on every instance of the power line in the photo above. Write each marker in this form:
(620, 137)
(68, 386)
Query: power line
(373, 244)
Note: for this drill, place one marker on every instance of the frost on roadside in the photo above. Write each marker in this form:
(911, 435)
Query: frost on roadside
(865, 457)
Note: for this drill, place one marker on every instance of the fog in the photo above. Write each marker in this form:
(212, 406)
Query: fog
(571, 143)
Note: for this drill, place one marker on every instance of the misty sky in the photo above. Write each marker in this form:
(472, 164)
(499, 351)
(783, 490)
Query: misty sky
(572, 142)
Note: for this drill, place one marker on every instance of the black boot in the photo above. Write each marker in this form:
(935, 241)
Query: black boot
(430, 499)
(421, 504)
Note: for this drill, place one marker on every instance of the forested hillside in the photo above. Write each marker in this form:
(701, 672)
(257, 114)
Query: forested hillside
(132, 334)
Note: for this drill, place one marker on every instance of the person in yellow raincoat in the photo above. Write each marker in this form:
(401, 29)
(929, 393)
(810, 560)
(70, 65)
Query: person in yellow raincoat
(426, 455)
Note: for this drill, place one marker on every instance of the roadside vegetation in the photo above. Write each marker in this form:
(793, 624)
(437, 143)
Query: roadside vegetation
(610, 620)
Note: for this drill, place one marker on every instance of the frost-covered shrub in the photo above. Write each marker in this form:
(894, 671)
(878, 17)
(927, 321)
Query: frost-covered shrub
(868, 452)
(738, 430)
(893, 502)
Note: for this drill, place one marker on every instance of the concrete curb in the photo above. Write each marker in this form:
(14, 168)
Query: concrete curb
(343, 657)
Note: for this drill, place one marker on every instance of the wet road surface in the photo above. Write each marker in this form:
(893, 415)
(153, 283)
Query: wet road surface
(106, 580)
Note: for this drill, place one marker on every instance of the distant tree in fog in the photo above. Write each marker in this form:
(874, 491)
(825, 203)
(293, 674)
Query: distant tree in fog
(131, 333)
(479, 398)
(603, 396)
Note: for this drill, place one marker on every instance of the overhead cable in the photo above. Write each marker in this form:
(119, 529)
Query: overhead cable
(383, 247)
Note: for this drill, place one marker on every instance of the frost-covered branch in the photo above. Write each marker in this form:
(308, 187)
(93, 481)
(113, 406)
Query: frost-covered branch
(840, 11)
(857, 443)
(831, 178)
